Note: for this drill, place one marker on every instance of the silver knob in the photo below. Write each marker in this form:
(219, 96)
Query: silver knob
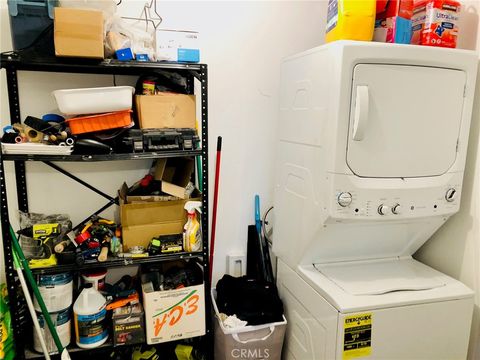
(450, 194)
(396, 209)
(344, 199)
(383, 209)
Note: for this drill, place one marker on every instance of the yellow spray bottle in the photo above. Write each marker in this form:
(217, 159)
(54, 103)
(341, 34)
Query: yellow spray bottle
(192, 234)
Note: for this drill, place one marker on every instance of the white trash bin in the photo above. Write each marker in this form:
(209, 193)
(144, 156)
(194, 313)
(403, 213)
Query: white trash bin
(252, 342)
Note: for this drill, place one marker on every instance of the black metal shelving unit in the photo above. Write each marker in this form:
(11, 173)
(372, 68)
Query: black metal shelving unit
(13, 62)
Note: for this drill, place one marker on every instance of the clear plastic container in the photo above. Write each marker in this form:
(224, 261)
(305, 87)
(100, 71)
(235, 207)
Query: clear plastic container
(350, 20)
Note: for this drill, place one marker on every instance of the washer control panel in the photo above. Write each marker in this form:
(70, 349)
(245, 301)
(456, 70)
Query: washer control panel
(396, 204)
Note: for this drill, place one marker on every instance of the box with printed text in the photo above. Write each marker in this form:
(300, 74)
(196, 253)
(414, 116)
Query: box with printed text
(174, 314)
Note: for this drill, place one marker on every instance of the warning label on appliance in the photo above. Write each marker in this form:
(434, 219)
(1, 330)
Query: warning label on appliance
(357, 340)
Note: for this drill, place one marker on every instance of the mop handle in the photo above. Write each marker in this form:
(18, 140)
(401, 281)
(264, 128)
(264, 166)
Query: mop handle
(215, 201)
(36, 292)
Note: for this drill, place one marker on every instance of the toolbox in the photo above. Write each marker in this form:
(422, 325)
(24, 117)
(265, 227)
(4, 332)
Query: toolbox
(87, 124)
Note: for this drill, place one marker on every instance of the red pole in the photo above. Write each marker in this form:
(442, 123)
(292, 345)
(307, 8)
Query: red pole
(215, 201)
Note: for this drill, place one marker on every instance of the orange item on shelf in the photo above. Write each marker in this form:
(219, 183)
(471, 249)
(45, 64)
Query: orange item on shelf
(441, 23)
(91, 123)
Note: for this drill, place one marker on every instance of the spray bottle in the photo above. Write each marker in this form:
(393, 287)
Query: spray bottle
(192, 234)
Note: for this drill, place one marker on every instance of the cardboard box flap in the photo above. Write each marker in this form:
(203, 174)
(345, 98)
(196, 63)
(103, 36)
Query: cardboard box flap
(175, 174)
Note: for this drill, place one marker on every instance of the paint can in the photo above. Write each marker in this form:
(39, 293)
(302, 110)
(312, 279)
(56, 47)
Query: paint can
(62, 322)
(56, 291)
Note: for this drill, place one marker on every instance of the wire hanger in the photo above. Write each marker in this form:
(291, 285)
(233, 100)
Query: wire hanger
(146, 15)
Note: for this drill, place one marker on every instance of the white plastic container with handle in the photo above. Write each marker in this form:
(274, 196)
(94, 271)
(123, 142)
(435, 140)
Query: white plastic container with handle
(90, 318)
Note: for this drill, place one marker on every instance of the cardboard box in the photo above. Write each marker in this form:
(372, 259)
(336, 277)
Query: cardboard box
(177, 45)
(128, 325)
(166, 110)
(393, 22)
(175, 175)
(174, 314)
(141, 221)
(78, 33)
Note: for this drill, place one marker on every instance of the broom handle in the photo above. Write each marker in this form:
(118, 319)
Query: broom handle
(36, 292)
(215, 201)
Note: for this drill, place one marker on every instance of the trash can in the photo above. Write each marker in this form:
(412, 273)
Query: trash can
(256, 342)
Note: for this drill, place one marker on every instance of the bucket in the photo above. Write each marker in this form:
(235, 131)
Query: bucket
(56, 291)
(62, 322)
(96, 278)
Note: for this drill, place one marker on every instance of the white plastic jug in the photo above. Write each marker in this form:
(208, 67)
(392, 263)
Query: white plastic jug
(89, 315)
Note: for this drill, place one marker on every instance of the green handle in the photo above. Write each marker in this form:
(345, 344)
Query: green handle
(19, 256)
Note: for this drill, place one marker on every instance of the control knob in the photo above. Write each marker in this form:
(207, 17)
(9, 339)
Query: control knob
(450, 194)
(344, 199)
(383, 209)
(396, 209)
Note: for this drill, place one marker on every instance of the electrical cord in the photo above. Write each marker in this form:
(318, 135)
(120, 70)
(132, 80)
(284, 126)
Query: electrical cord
(267, 234)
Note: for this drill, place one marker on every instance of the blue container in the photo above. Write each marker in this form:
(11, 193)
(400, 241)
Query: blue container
(28, 19)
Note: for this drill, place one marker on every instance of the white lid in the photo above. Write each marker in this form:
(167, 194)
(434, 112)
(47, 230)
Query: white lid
(381, 277)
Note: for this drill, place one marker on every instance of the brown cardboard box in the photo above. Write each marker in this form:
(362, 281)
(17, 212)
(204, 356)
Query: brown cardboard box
(143, 221)
(78, 33)
(166, 111)
(175, 174)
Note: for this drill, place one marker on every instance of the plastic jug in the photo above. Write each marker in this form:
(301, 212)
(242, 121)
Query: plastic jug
(89, 314)
(350, 20)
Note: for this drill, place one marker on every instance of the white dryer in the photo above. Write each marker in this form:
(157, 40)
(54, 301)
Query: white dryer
(370, 161)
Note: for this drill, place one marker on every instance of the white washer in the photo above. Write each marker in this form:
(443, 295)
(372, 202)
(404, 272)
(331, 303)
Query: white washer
(371, 154)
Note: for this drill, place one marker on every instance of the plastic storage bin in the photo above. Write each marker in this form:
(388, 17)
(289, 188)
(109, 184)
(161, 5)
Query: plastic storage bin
(28, 19)
(249, 342)
(94, 100)
(86, 124)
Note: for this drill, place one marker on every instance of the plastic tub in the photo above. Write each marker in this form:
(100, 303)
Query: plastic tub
(86, 124)
(62, 322)
(94, 100)
(56, 291)
(28, 19)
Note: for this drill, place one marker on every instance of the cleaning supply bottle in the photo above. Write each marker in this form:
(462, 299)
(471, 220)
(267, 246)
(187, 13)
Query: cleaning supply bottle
(192, 234)
(350, 20)
(89, 314)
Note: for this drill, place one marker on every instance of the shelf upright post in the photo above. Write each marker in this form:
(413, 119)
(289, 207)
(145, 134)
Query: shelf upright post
(205, 222)
(14, 300)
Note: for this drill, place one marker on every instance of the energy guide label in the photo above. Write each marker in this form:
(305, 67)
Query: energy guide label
(357, 340)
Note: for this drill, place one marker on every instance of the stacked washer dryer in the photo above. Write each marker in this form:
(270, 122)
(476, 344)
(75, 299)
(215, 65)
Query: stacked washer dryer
(370, 162)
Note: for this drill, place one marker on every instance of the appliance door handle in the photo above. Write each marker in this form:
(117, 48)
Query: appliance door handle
(360, 119)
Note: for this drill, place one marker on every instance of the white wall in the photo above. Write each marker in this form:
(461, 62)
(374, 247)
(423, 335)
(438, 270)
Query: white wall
(455, 248)
(243, 44)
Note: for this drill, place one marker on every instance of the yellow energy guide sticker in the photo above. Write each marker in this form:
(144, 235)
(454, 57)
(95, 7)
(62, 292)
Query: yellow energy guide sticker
(357, 338)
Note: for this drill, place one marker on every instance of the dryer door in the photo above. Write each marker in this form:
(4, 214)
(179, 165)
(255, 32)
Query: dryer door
(404, 120)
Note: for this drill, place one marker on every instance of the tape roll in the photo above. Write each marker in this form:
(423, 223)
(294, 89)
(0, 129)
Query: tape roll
(62, 144)
(33, 135)
(19, 140)
(69, 141)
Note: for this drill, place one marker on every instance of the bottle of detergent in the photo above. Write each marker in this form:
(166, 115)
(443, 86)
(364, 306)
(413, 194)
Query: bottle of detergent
(89, 314)
(350, 20)
(192, 233)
